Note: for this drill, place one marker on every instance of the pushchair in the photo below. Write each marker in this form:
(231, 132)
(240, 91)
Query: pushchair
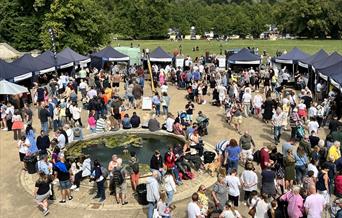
(184, 119)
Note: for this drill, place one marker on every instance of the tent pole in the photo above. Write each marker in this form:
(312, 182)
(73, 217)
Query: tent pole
(293, 69)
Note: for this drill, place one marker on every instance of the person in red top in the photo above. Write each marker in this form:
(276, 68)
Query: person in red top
(170, 158)
(170, 162)
(264, 157)
(338, 184)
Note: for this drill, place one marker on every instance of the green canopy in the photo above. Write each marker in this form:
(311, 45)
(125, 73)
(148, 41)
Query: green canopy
(133, 53)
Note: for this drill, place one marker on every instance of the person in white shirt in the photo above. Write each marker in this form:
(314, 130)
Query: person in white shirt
(169, 123)
(229, 211)
(76, 113)
(312, 167)
(314, 203)
(257, 103)
(170, 186)
(69, 132)
(222, 93)
(193, 208)
(83, 86)
(233, 183)
(313, 125)
(249, 181)
(313, 112)
(286, 78)
(91, 93)
(61, 139)
(246, 99)
(201, 69)
(261, 205)
(318, 93)
(164, 88)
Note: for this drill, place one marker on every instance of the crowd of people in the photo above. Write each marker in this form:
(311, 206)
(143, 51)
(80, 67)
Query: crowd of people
(297, 181)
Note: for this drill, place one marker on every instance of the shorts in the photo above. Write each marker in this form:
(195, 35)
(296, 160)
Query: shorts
(135, 177)
(325, 195)
(41, 198)
(116, 84)
(21, 156)
(65, 184)
(237, 120)
(247, 154)
(121, 189)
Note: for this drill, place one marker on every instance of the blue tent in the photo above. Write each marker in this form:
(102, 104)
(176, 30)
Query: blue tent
(107, 54)
(26, 61)
(48, 60)
(244, 56)
(321, 54)
(292, 57)
(336, 78)
(326, 62)
(333, 72)
(70, 54)
(159, 55)
(14, 72)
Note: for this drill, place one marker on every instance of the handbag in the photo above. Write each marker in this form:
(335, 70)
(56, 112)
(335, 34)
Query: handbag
(252, 211)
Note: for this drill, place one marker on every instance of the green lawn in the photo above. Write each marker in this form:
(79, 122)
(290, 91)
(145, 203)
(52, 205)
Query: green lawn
(309, 46)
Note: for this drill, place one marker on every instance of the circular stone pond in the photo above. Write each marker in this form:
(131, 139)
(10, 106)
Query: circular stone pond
(102, 146)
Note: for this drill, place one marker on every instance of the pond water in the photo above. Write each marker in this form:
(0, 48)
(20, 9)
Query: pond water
(150, 143)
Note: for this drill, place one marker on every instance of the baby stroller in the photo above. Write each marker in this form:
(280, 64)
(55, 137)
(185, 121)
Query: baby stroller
(184, 119)
(203, 127)
(300, 132)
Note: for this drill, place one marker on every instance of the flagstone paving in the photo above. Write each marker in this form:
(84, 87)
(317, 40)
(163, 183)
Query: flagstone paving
(16, 187)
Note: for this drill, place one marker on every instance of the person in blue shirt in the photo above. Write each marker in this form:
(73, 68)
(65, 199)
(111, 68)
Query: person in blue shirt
(301, 164)
(42, 165)
(126, 122)
(156, 103)
(286, 146)
(232, 154)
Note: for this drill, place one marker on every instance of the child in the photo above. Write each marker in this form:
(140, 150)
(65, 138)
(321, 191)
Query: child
(134, 164)
(23, 150)
(163, 210)
(170, 186)
(309, 180)
(253, 198)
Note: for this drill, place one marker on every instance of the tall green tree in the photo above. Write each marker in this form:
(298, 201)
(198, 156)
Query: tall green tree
(20, 24)
(79, 24)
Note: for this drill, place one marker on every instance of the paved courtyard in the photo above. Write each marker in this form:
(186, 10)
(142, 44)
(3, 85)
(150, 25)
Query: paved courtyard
(17, 201)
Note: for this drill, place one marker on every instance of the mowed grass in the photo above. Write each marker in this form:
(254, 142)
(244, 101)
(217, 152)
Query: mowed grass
(214, 46)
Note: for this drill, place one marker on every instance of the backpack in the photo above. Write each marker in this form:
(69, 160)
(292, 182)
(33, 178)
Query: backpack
(105, 172)
(257, 157)
(135, 167)
(77, 132)
(117, 177)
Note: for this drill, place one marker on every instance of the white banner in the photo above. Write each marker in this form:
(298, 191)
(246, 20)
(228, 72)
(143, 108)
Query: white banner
(146, 103)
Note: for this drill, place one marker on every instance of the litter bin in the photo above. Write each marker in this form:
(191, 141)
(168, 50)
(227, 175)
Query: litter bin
(31, 162)
(142, 192)
(209, 156)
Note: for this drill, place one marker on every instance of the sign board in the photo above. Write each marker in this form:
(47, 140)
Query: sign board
(146, 103)
(222, 62)
(180, 62)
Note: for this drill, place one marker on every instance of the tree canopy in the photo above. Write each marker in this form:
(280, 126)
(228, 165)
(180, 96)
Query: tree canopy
(87, 24)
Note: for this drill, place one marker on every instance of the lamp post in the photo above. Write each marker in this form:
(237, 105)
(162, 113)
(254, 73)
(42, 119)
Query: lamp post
(52, 37)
